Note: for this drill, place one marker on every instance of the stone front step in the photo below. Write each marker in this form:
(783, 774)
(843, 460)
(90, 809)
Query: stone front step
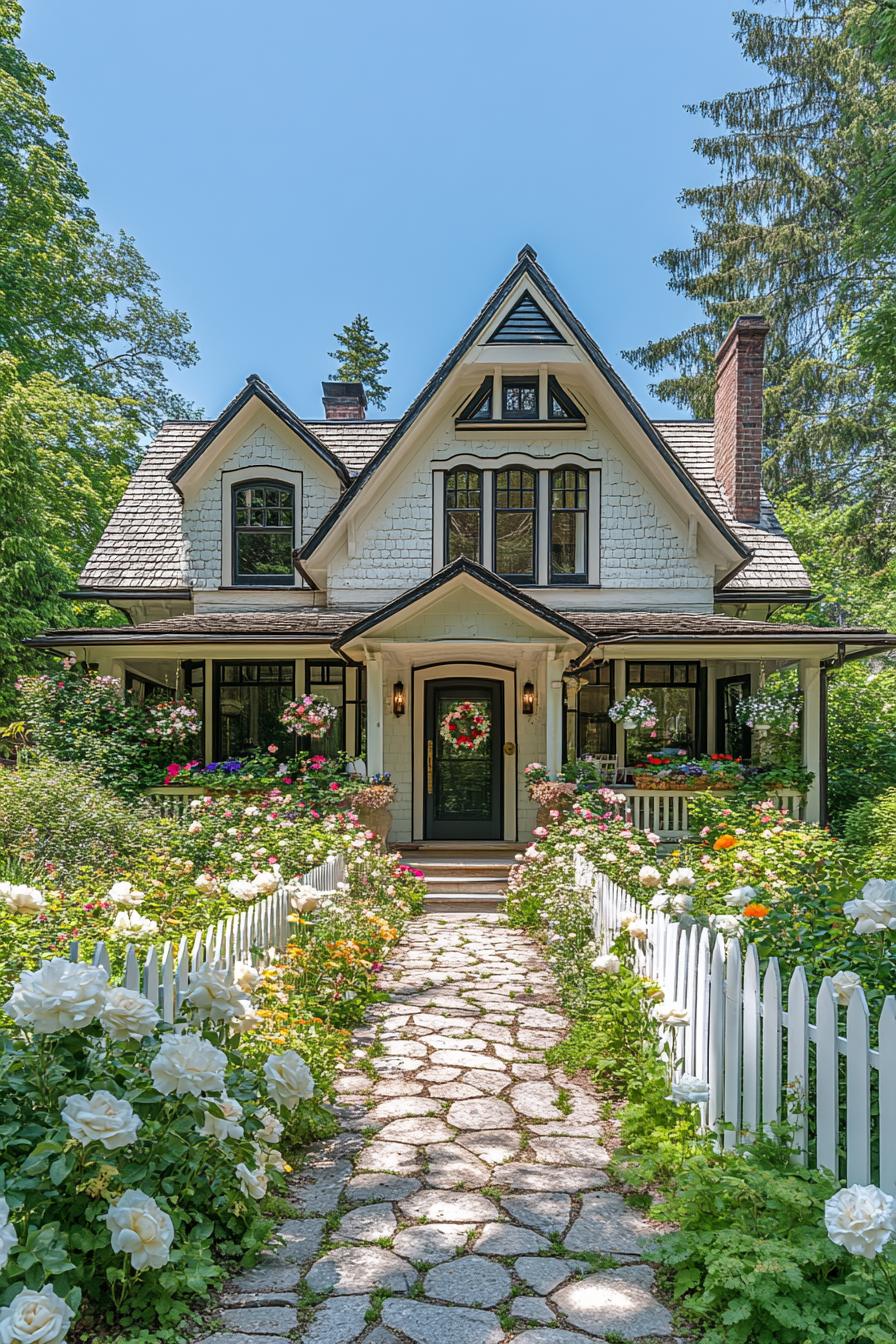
(463, 881)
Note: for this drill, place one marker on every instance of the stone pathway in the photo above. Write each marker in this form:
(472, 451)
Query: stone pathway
(464, 1200)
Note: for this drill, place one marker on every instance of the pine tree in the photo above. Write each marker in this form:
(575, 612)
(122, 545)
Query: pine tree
(775, 237)
(362, 359)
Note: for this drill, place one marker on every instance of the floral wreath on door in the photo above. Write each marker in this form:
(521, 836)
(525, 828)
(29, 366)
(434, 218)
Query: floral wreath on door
(466, 726)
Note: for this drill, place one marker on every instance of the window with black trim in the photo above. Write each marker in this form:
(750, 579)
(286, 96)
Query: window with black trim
(675, 689)
(589, 729)
(327, 680)
(560, 405)
(519, 398)
(569, 525)
(248, 701)
(516, 506)
(480, 407)
(263, 514)
(463, 514)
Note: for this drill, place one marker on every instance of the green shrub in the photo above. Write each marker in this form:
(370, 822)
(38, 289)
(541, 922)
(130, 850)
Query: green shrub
(54, 812)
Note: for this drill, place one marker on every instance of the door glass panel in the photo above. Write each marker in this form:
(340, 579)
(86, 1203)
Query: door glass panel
(462, 778)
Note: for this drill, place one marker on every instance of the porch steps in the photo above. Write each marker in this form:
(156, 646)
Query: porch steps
(463, 877)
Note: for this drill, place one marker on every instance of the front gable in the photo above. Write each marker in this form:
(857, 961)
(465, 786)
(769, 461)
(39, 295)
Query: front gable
(524, 332)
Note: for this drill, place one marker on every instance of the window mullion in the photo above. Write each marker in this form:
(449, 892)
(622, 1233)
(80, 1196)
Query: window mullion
(543, 529)
(488, 557)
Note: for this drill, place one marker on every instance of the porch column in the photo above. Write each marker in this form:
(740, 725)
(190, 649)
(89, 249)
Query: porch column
(554, 712)
(810, 687)
(375, 714)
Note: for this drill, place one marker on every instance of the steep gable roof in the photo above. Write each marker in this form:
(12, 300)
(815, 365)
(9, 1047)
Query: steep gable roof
(256, 389)
(526, 268)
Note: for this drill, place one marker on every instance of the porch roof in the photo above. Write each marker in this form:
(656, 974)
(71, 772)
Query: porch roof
(337, 625)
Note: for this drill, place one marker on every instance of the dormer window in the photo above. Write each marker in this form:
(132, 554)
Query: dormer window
(520, 398)
(263, 515)
(560, 405)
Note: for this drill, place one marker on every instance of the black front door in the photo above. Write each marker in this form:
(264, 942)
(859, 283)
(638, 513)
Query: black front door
(731, 737)
(462, 760)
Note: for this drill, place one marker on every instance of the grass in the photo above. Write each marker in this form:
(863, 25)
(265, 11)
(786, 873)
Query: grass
(564, 1101)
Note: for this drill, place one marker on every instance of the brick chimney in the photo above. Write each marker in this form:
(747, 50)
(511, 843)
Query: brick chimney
(344, 401)
(738, 415)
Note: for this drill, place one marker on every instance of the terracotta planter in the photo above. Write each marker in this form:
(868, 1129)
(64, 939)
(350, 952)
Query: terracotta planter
(678, 784)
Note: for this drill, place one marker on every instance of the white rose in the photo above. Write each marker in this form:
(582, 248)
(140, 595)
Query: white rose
(186, 1063)
(140, 1229)
(875, 910)
(194, 827)
(246, 976)
(252, 811)
(728, 926)
(249, 1019)
(270, 1159)
(634, 927)
(20, 899)
(609, 857)
(738, 897)
(607, 964)
(214, 995)
(302, 898)
(671, 1014)
(8, 1235)
(60, 996)
(845, 984)
(650, 876)
(681, 877)
(130, 924)
(660, 900)
(205, 884)
(128, 1016)
(688, 1088)
(265, 883)
(242, 890)
(124, 894)
(226, 1125)
(101, 1118)
(682, 903)
(35, 1317)
(271, 1128)
(289, 1079)
(252, 1183)
(861, 1218)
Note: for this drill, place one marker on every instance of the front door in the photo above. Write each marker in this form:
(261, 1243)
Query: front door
(463, 733)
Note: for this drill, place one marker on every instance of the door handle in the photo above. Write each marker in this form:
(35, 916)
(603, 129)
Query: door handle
(429, 765)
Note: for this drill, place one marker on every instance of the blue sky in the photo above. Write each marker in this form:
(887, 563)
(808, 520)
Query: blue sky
(284, 165)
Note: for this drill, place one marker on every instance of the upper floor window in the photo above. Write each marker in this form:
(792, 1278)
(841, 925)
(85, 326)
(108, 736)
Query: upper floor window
(463, 514)
(520, 398)
(263, 533)
(516, 503)
(569, 525)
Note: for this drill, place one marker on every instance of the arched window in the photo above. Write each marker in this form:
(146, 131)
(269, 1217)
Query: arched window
(516, 495)
(263, 515)
(569, 525)
(463, 514)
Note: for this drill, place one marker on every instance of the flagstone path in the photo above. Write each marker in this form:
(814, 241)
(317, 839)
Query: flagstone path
(465, 1199)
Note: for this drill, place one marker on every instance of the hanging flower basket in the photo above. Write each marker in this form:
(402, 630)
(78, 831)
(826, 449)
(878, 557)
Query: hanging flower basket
(174, 720)
(635, 711)
(466, 727)
(769, 709)
(312, 716)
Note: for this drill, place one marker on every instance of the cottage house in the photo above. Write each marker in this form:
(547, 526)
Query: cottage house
(525, 538)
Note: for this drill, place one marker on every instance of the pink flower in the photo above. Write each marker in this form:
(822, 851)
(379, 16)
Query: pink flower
(540, 831)
(273, 748)
(334, 787)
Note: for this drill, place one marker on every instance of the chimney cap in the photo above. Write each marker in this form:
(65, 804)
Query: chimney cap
(352, 391)
(747, 323)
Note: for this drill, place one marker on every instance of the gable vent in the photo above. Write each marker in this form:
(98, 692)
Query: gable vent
(526, 324)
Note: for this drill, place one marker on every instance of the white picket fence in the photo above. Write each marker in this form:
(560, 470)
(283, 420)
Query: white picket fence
(754, 1045)
(254, 935)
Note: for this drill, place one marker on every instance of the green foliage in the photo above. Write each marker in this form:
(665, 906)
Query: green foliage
(776, 237)
(361, 358)
(56, 816)
(752, 1261)
(85, 341)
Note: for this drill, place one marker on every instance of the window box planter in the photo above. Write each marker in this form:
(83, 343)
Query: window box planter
(695, 783)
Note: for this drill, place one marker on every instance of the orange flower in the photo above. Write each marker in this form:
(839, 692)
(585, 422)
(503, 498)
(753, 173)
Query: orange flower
(755, 910)
(725, 842)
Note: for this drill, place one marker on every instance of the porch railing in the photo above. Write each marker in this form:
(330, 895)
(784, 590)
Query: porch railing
(760, 1046)
(665, 811)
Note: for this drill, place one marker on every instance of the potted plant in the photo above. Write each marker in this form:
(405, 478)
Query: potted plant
(372, 802)
(551, 795)
(634, 711)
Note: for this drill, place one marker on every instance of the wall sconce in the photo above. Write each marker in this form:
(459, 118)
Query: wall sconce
(399, 703)
(528, 699)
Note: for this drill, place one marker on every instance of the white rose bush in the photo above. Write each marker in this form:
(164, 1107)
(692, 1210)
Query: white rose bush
(135, 1155)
